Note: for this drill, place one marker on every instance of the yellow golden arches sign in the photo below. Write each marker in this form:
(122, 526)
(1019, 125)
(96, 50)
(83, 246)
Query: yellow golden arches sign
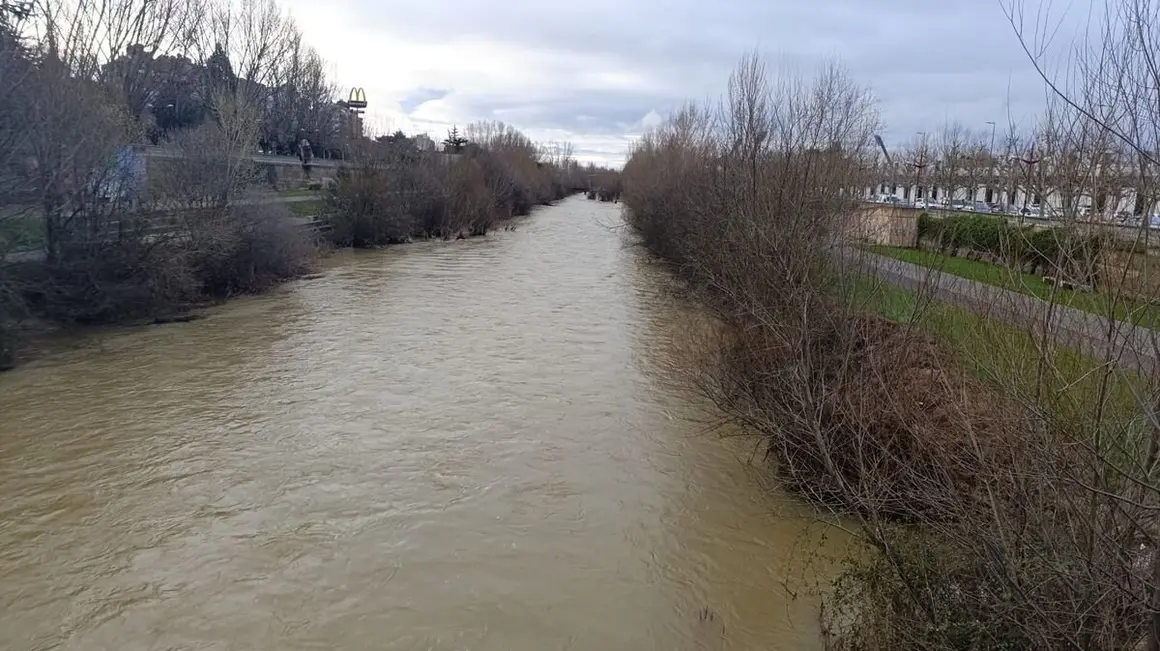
(358, 98)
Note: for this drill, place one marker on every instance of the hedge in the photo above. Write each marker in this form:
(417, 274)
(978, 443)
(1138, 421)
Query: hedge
(1036, 248)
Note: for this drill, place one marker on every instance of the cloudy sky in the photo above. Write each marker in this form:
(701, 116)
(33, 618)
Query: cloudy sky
(596, 72)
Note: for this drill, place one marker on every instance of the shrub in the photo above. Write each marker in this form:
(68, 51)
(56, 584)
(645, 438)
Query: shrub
(1006, 486)
(1037, 250)
(116, 281)
(929, 228)
(254, 248)
(396, 193)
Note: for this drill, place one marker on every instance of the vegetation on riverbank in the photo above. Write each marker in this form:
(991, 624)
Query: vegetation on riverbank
(1006, 486)
(1133, 312)
(396, 193)
(85, 240)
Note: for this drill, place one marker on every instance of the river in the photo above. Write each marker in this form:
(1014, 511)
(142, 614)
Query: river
(455, 446)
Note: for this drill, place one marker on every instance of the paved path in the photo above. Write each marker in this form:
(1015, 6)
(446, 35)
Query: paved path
(269, 159)
(1133, 348)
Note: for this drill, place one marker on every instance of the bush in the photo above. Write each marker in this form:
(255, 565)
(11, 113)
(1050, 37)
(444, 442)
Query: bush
(1036, 250)
(11, 310)
(929, 227)
(1007, 492)
(254, 248)
(116, 281)
(396, 194)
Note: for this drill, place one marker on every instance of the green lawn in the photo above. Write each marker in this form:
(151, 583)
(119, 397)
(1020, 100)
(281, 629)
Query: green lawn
(1009, 358)
(24, 233)
(306, 208)
(1134, 312)
(299, 192)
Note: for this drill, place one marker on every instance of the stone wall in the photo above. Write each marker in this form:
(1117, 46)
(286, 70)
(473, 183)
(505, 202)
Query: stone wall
(271, 174)
(885, 225)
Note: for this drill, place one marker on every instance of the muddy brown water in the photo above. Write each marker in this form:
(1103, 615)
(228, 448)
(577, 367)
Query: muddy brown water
(470, 445)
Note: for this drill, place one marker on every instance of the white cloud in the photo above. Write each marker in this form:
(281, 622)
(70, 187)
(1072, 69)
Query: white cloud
(567, 70)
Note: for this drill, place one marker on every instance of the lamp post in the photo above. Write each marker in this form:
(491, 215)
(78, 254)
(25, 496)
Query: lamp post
(991, 157)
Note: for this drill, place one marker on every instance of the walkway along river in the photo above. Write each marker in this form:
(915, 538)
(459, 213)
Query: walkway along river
(466, 445)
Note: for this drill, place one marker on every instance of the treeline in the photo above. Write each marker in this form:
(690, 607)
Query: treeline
(1004, 484)
(395, 193)
(83, 240)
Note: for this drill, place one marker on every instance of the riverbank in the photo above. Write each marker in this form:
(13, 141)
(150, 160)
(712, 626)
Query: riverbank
(37, 322)
(115, 263)
(1003, 483)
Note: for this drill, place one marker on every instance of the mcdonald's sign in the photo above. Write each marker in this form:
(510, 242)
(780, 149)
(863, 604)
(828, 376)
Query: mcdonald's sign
(357, 99)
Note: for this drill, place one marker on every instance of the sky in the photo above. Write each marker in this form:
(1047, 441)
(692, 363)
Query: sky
(597, 73)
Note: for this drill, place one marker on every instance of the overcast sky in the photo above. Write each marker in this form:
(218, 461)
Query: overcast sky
(595, 72)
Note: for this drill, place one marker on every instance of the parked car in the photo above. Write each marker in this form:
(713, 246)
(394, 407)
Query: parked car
(960, 204)
(926, 204)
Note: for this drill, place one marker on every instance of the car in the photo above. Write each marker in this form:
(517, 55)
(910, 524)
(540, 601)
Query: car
(926, 204)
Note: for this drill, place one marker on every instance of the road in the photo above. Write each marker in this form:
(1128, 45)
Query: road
(1134, 348)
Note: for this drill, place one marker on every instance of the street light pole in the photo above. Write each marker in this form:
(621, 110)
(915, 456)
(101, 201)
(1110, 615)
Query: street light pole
(991, 159)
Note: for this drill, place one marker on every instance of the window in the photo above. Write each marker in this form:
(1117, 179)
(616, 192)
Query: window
(934, 193)
(919, 191)
(906, 192)
(990, 196)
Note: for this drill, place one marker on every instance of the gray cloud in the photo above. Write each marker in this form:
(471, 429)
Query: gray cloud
(594, 69)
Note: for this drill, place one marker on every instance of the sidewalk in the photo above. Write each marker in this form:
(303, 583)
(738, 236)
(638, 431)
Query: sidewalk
(1134, 348)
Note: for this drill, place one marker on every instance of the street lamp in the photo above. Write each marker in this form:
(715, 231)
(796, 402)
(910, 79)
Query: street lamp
(991, 159)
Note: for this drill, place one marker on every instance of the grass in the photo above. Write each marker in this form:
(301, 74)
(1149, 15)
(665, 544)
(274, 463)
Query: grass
(306, 208)
(299, 192)
(1134, 312)
(21, 233)
(1013, 361)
